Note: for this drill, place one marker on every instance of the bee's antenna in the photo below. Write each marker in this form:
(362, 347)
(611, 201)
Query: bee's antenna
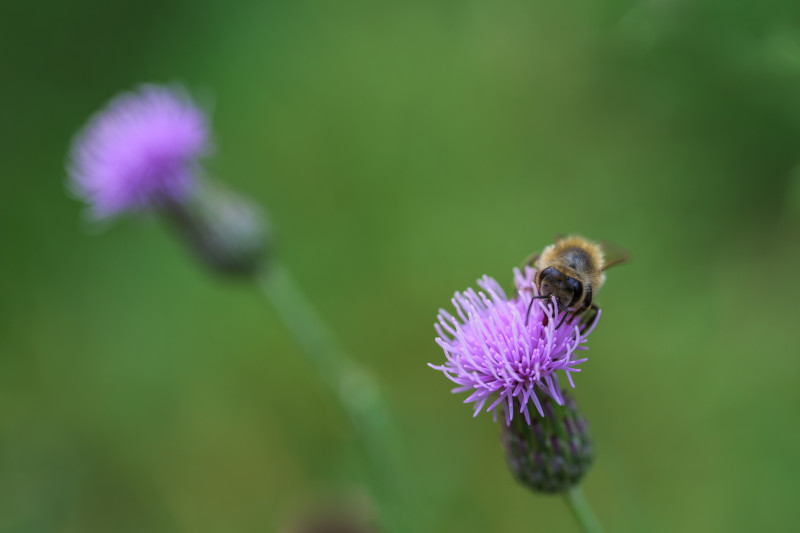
(530, 305)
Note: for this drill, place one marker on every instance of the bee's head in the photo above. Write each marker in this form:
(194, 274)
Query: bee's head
(566, 289)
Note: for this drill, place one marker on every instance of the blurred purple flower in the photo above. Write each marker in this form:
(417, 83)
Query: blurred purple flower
(492, 353)
(140, 149)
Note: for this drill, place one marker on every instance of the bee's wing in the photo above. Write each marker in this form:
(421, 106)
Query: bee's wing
(614, 254)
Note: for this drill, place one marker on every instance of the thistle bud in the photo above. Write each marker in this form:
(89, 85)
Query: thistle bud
(225, 230)
(552, 453)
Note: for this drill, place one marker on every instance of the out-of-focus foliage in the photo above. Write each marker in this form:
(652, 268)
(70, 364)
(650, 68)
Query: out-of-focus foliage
(403, 150)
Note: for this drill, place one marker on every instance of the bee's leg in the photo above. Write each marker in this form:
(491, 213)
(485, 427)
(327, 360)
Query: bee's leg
(564, 316)
(530, 306)
(588, 310)
(586, 304)
(531, 260)
(589, 317)
(587, 299)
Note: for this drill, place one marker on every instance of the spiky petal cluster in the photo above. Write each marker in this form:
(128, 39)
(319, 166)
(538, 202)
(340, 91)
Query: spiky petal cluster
(492, 352)
(141, 148)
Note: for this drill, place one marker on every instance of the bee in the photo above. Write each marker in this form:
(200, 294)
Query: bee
(571, 270)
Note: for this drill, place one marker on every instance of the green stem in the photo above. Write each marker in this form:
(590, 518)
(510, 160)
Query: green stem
(353, 386)
(581, 510)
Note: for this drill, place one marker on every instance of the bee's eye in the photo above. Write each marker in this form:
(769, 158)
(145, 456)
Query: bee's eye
(549, 271)
(577, 289)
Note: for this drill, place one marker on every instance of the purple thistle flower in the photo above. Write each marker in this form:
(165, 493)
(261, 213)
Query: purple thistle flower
(491, 352)
(140, 149)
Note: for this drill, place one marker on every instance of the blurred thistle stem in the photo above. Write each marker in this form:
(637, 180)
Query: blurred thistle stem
(141, 152)
(581, 510)
(353, 386)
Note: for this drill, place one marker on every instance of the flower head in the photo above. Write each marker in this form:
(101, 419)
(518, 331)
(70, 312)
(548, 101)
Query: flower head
(141, 148)
(493, 351)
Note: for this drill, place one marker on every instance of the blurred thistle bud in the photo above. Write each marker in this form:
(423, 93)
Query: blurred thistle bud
(553, 452)
(344, 513)
(141, 153)
(225, 230)
(332, 521)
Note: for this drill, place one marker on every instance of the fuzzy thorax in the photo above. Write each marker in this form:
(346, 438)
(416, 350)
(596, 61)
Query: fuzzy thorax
(576, 257)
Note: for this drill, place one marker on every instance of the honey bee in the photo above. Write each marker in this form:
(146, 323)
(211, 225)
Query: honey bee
(571, 270)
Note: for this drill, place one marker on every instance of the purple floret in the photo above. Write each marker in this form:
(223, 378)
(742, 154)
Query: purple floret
(140, 149)
(493, 354)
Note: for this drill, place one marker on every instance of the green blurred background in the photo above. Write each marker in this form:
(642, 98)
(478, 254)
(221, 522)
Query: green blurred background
(403, 150)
